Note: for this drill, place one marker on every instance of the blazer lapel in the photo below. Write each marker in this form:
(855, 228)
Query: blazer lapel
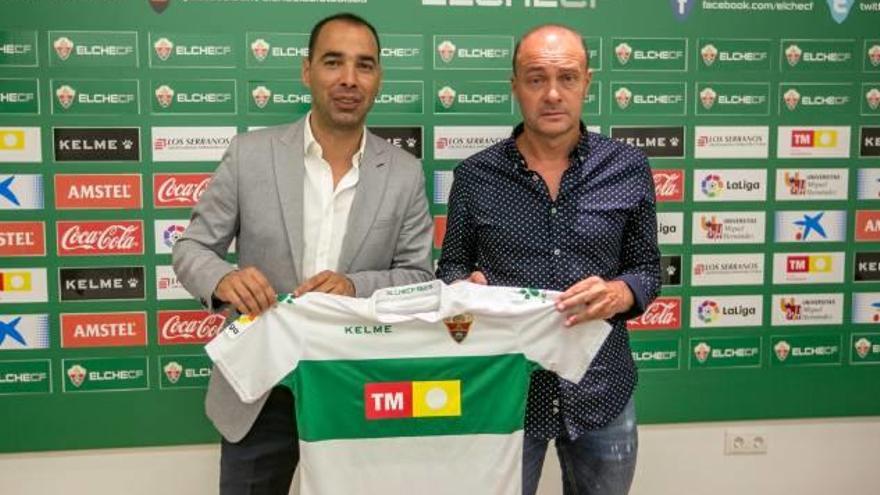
(287, 159)
(368, 195)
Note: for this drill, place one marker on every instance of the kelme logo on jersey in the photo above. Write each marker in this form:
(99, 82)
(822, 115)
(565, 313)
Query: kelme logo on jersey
(18, 49)
(805, 350)
(803, 55)
(459, 325)
(105, 374)
(25, 377)
(839, 9)
(866, 348)
(871, 57)
(870, 99)
(638, 98)
(473, 97)
(656, 354)
(472, 52)
(725, 352)
(192, 50)
(283, 97)
(276, 50)
(423, 399)
(732, 99)
(649, 54)
(184, 371)
(402, 51)
(734, 55)
(194, 96)
(93, 49)
(95, 97)
(806, 309)
(816, 98)
(19, 97)
(400, 97)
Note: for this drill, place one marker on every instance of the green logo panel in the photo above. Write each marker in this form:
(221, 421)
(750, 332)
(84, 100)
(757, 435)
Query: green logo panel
(402, 51)
(865, 348)
(870, 99)
(192, 50)
(473, 52)
(805, 350)
(593, 99)
(25, 377)
(733, 55)
(93, 49)
(397, 97)
(725, 352)
(472, 97)
(193, 96)
(810, 55)
(656, 354)
(641, 98)
(276, 50)
(594, 50)
(177, 372)
(105, 374)
(18, 49)
(648, 54)
(19, 97)
(95, 97)
(817, 99)
(278, 97)
(714, 98)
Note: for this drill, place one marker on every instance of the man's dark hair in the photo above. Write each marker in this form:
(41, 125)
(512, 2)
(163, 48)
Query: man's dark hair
(344, 17)
(551, 25)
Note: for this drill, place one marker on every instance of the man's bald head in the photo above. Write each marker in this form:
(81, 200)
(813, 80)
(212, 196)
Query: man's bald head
(549, 31)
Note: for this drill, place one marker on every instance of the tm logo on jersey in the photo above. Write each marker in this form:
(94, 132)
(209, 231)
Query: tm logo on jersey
(389, 400)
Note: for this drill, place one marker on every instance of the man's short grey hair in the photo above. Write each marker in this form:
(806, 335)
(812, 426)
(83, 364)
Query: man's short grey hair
(551, 25)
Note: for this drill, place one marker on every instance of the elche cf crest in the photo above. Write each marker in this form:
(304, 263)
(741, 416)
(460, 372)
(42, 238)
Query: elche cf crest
(260, 49)
(447, 96)
(709, 54)
(623, 96)
(782, 350)
(863, 347)
(173, 370)
(873, 98)
(63, 46)
(701, 352)
(791, 98)
(77, 375)
(65, 95)
(708, 97)
(623, 52)
(793, 55)
(459, 326)
(164, 95)
(446, 50)
(261, 95)
(163, 47)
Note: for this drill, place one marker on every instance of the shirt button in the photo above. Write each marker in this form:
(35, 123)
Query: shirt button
(556, 252)
(535, 177)
(555, 410)
(555, 402)
(552, 211)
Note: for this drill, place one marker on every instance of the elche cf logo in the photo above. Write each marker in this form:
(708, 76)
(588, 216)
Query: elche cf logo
(701, 351)
(459, 326)
(791, 98)
(446, 50)
(873, 98)
(77, 375)
(261, 95)
(623, 52)
(172, 371)
(863, 347)
(447, 96)
(164, 48)
(708, 97)
(63, 46)
(709, 54)
(874, 55)
(623, 96)
(260, 49)
(65, 95)
(793, 55)
(782, 349)
(165, 95)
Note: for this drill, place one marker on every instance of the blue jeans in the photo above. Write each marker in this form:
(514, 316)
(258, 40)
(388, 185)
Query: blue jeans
(600, 462)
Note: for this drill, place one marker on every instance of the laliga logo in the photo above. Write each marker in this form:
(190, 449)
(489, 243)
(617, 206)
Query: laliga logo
(165, 95)
(172, 234)
(261, 96)
(840, 9)
(163, 47)
(63, 46)
(446, 50)
(782, 350)
(77, 375)
(863, 347)
(708, 311)
(173, 370)
(874, 55)
(701, 351)
(712, 185)
(873, 98)
(447, 96)
(791, 98)
(623, 97)
(623, 52)
(65, 95)
(709, 54)
(260, 49)
(708, 97)
(793, 55)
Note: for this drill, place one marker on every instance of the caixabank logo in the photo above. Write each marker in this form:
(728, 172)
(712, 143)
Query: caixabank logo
(98, 192)
(810, 226)
(93, 49)
(732, 99)
(21, 192)
(19, 96)
(805, 350)
(472, 97)
(282, 97)
(823, 55)
(184, 371)
(19, 332)
(656, 354)
(734, 55)
(656, 142)
(267, 50)
(101, 283)
(806, 309)
(649, 54)
(483, 52)
(814, 99)
(806, 184)
(194, 97)
(408, 139)
(97, 144)
(18, 48)
(115, 374)
(735, 184)
(23, 238)
(192, 50)
(95, 97)
(725, 352)
(21, 145)
(649, 98)
(866, 307)
(25, 377)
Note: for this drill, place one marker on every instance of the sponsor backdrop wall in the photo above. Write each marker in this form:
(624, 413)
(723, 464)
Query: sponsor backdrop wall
(760, 118)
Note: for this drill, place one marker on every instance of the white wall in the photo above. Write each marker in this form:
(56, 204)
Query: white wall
(812, 457)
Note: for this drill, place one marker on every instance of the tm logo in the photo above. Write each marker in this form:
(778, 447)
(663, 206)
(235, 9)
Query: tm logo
(840, 9)
(682, 8)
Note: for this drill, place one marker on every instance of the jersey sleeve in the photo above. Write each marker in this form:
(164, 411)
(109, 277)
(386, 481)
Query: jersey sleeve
(254, 355)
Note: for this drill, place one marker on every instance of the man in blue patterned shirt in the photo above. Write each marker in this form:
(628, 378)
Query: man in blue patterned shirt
(557, 207)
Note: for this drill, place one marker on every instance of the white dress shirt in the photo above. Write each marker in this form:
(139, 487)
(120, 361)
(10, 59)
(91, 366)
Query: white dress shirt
(325, 209)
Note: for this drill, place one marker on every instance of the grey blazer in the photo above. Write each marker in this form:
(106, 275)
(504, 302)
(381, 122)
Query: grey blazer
(256, 197)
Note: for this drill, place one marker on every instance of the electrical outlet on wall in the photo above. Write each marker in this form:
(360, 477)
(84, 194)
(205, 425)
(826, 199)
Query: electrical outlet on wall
(744, 442)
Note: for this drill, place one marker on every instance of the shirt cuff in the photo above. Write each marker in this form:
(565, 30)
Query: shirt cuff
(640, 300)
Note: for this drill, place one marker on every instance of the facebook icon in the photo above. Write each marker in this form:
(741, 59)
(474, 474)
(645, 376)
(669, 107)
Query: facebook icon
(682, 8)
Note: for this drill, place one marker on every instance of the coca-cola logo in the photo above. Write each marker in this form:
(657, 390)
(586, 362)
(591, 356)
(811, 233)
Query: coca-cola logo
(188, 327)
(91, 238)
(662, 314)
(179, 190)
(668, 185)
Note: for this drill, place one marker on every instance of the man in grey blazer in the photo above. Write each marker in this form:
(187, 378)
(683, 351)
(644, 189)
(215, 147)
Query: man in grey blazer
(318, 205)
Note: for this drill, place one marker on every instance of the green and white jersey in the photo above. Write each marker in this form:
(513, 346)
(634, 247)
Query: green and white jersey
(418, 389)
